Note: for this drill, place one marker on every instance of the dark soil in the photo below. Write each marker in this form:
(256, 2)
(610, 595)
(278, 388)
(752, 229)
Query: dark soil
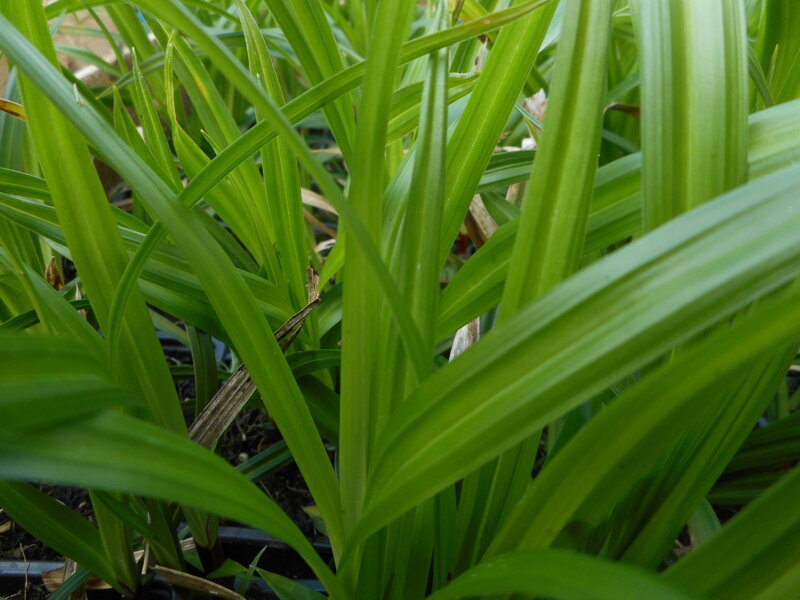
(31, 592)
(253, 432)
(18, 544)
(289, 491)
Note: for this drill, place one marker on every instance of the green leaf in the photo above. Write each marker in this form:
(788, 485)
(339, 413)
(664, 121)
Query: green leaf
(307, 362)
(22, 184)
(56, 525)
(417, 275)
(556, 205)
(233, 301)
(703, 524)
(615, 214)
(71, 585)
(694, 103)
(779, 48)
(773, 446)
(287, 589)
(282, 185)
(167, 280)
(159, 155)
(118, 453)
(360, 311)
(554, 211)
(479, 128)
(58, 316)
(755, 555)
(309, 33)
(30, 318)
(166, 549)
(206, 380)
(45, 382)
(84, 216)
(406, 103)
(245, 203)
(558, 574)
(579, 490)
(259, 135)
(742, 488)
(663, 288)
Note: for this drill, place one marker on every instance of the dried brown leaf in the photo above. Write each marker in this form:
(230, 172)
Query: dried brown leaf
(192, 582)
(53, 275)
(220, 412)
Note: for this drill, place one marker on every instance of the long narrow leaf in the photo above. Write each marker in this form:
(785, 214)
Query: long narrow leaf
(661, 287)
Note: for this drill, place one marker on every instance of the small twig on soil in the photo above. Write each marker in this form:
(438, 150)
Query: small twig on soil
(25, 562)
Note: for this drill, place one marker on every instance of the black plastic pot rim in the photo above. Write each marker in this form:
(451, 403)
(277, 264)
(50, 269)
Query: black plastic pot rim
(34, 570)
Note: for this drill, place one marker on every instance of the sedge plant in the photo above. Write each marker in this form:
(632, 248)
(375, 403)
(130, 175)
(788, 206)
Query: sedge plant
(634, 286)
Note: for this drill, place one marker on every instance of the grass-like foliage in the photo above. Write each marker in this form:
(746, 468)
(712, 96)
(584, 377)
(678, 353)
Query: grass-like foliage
(634, 286)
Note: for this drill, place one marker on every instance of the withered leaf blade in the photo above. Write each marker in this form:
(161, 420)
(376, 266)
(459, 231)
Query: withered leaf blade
(55, 579)
(53, 275)
(629, 109)
(220, 412)
(12, 108)
(480, 224)
(465, 337)
(192, 582)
